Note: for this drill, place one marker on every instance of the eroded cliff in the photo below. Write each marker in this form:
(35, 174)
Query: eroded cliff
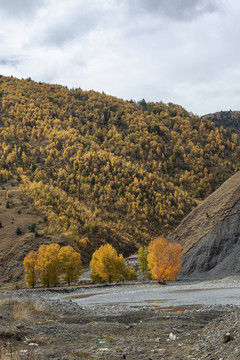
(210, 234)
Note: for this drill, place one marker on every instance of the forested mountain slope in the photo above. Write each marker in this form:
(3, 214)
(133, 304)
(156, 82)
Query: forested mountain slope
(230, 120)
(101, 169)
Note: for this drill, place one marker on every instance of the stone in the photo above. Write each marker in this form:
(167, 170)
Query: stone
(227, 337)
(19, 325)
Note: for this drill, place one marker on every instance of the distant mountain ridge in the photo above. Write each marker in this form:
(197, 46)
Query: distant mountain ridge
(230, 120)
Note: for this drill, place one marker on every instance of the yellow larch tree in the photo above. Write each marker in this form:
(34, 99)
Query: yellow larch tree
(70, 263)
(107, 265)
(48, 264)
(30, 263)
(164, 259)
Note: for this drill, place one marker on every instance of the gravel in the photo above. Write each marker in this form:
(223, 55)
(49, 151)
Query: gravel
(141, 321)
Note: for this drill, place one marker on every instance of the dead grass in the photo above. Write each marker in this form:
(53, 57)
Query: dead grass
(14, 247)
(17, 311)
(20, 311)
(9, 353)
(16, 316)
(5, 354)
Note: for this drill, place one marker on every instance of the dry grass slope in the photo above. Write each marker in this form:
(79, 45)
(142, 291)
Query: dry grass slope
(13, 247)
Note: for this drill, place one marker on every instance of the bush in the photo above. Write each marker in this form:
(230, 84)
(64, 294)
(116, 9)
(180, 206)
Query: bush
(0, 224)
(18, 231)
(32, 228)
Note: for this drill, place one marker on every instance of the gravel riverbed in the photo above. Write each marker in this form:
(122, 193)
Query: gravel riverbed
(143, 321)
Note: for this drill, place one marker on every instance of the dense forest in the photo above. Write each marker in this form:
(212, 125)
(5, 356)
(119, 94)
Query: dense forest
(101, 169)
(230, 120)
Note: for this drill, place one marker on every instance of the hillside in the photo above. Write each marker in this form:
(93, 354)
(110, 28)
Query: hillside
(210, 234)
(15, 213)
(99, 169)
(230, 120)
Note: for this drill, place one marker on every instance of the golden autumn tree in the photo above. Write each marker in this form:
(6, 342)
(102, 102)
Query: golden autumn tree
(107, 265)
(143, 263)
(48, 264)
(71, 264)
(30, 263)
(164, 259)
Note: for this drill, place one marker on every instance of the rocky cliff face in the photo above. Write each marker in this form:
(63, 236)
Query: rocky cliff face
(210, 234)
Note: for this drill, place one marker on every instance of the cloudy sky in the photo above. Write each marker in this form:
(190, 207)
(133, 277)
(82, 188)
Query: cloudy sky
(181, 51)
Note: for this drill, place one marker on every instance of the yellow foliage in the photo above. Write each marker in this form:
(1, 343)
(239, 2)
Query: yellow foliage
(70, 263)
(48, 264)
(106, 265)
(96, 165)
(30, 263)
(164, 259)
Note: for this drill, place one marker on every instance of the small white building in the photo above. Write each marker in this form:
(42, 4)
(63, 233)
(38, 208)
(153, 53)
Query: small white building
(132, 260)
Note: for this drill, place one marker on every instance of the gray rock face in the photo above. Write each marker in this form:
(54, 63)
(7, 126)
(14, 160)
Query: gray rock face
(210, 235)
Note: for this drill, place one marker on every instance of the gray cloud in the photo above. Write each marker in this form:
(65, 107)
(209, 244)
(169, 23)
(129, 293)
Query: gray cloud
(181, 51)
(9, 62)
(77, 22)
(61, 32)
(22, 8)
(176, 9)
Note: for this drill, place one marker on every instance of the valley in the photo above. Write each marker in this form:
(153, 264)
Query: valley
(53, 324)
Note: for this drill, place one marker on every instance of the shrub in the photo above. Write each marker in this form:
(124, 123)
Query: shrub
(18, 231)
(32, 228)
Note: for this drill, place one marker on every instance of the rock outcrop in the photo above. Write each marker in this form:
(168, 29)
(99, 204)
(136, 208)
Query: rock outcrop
(210, 234)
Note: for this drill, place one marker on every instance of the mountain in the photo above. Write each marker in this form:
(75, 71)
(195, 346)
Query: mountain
(210, 234)
(15, 213)
(99, 169)
(230, 120)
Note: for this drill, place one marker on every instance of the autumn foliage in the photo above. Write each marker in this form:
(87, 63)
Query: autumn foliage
(101, 169)
(30, 263)
(107, 265)
(143, 262)
(70, 263)
(164, 259)
(50, 263)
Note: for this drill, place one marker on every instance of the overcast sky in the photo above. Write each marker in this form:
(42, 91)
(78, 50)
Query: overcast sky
(181, 51)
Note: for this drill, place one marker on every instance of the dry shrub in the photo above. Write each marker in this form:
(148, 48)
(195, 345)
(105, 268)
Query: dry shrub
(6, 354)
(20, 311)
(10, 353)
(16, 310)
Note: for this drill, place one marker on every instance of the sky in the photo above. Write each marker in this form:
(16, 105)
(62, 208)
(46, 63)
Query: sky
(181, 51)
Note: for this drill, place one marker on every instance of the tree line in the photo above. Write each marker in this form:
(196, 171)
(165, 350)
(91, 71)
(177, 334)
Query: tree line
(160, 260)
(49, 263)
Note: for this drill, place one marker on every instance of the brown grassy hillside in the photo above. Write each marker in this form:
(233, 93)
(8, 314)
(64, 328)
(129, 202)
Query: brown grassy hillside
(13, 247)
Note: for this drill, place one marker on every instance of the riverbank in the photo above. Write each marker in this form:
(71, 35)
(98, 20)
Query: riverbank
(39, 324)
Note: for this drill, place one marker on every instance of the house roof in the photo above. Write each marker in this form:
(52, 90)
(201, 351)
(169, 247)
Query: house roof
(132, 257)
